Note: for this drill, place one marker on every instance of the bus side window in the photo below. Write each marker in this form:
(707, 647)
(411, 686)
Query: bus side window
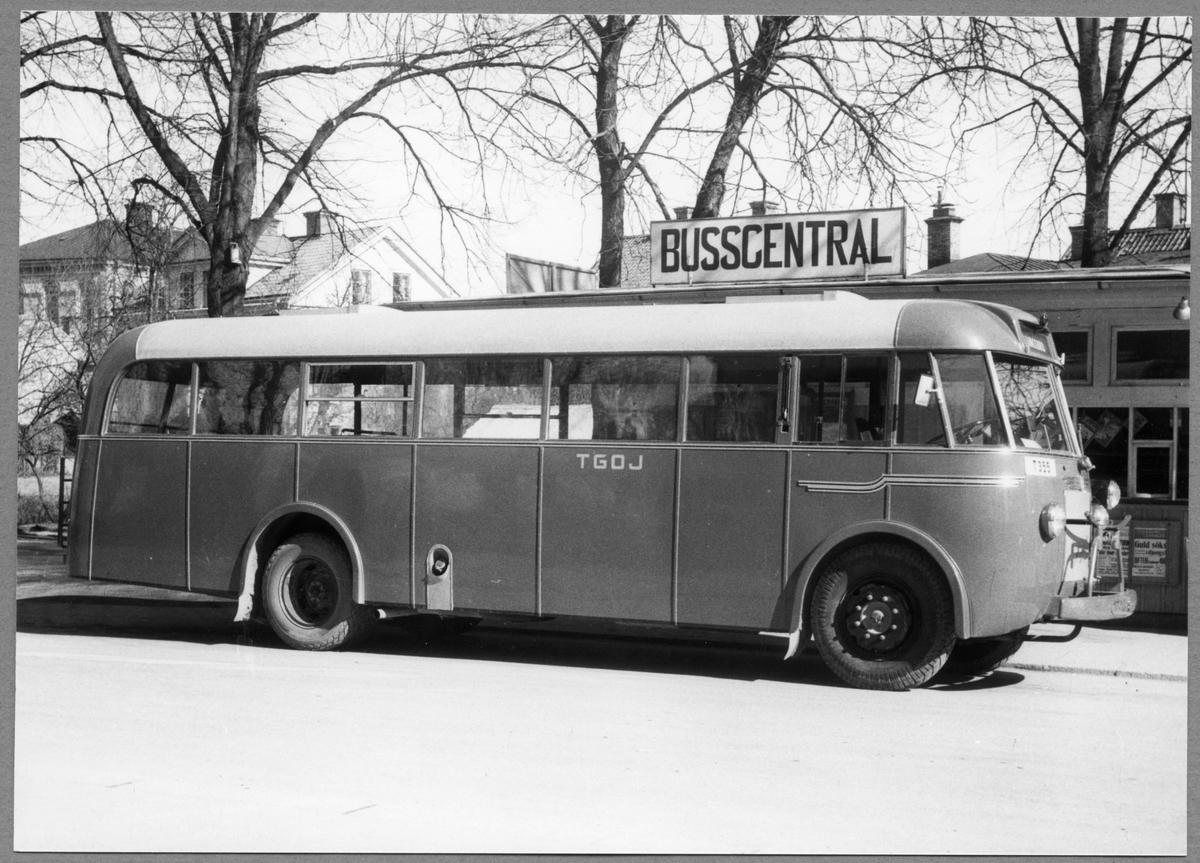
(153, 398)
(359, 399)
(916, 424)
(246, 398)
(733, 397)
(970, 401)
(615, 398)
(497, 399)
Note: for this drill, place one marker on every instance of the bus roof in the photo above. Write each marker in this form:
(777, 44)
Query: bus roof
(833, 321)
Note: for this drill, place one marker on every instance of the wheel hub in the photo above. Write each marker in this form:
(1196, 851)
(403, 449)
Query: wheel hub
(877, 618)
(314, 592)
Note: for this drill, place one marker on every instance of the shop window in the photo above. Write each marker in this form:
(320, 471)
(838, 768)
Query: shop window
(1144, 450)
(247, 398)
(615, 398)
(153, 398)
(733, 397)
(482, 398)
(361, 399)
(1076, 345)
(1150, 355)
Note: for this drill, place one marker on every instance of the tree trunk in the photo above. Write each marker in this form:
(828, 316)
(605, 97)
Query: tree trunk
(747, 90)
(609, 152)
(1100, 110)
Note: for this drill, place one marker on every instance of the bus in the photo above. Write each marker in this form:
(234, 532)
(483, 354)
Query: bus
(893, 480)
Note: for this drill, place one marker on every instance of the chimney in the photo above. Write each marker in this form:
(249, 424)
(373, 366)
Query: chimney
(1170, 210)
(319, 222)
(682, 213)
(763, 208)
(943, 234)
(1077, 241)
(274, 228)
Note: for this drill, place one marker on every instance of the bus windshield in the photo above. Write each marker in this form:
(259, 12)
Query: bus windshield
(1033, 409)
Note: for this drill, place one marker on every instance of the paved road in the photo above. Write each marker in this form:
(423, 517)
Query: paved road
(162, 738)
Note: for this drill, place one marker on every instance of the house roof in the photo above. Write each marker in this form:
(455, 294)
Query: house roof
(1150, 247)
(311, 257)
(100, 241)
(992, 262)
(271, 248)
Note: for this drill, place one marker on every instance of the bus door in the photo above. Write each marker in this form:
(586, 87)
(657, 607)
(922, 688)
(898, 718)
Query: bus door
(139, 534)
(609, 487)
(476, 484)
(733, 488)
(840, 463)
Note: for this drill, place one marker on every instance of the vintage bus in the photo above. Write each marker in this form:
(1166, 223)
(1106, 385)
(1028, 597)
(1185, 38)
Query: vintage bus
(893, 480)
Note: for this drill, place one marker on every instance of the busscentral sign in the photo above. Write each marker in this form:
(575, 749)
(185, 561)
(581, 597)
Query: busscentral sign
(778, 246)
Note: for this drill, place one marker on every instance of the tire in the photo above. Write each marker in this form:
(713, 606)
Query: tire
(882, 617)
(981, 655)
(308, 595)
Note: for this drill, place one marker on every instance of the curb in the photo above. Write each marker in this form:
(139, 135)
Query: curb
(1138, 675)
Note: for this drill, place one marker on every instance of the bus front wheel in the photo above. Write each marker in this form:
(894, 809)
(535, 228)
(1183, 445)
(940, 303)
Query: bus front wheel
(882, 617)
(308, 595)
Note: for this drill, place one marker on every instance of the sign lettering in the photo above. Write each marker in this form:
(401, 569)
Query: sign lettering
(777, 247)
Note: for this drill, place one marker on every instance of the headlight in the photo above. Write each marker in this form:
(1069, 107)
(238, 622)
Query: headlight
(1052, 521)
(1112, 495)
(1098, 516)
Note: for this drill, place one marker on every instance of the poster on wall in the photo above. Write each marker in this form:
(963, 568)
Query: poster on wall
(1109, 558)
(1149, 553)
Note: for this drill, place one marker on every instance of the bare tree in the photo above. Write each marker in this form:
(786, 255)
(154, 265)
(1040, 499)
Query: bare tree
(221, 104)
(1102, 101)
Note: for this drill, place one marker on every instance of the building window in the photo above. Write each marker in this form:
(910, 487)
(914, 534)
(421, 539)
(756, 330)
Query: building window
(1076, 346)
(401, 287)
(202, 291)
(30, 300)
(187, 290)
(360, 287)
(1143, 450)
(50, 286)
(1141, 355)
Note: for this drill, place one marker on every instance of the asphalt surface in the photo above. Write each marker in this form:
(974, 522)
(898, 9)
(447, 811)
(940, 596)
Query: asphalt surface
(1153, 647)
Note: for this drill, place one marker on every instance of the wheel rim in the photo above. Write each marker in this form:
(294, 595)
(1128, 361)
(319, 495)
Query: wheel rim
(877, 619)
(312, 592)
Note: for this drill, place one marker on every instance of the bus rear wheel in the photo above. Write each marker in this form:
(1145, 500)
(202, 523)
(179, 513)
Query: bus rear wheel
(308, 595)
(981, 655)
(882, 617)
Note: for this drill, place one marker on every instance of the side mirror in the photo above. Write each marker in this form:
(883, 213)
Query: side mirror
(926, 390)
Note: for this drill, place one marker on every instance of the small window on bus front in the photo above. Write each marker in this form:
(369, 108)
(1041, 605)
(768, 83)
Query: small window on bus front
(916, 424)
(153, 398)
(842, 399)
(733, 397)
(498, 399)
(615, 398)
(359, 399)
(247, 398)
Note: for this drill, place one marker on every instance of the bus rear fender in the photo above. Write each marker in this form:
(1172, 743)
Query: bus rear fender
(853, 535)
(277, 526)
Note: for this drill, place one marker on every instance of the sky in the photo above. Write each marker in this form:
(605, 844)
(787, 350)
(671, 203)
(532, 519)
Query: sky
(548, 218)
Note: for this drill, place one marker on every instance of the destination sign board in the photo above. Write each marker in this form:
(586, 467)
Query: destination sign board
(778, 247)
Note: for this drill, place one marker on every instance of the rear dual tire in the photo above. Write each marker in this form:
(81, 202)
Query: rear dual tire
(882, 617)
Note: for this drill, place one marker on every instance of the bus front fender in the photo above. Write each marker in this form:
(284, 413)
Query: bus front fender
(271, 530)
(873, 531)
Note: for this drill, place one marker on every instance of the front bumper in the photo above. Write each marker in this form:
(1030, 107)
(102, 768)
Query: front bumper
(1093, 604)
(1098, 606)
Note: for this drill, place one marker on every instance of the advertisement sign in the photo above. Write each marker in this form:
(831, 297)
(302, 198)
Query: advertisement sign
(778, 247)
(1150, 553)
